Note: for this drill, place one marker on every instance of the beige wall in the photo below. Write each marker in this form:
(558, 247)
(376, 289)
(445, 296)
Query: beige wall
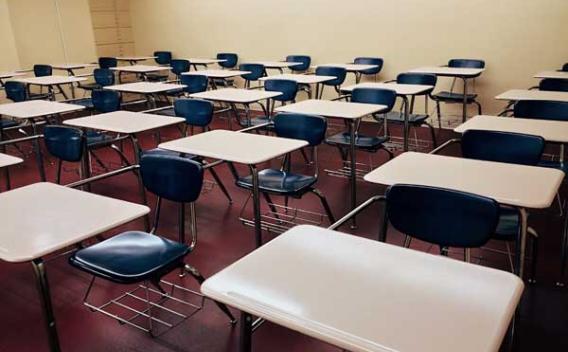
(516, 38)
(9, 58)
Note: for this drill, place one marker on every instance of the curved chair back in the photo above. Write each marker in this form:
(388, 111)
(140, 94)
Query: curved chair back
(196, 112)
(441, 216)
(107, 62)
(231, 60)
(541, 109)
(179, 66)
(172, 177)
(43, 70)
(374, 96)
(504, 147)
(64, 142)
(339, 72)
(16, 91)
(552, 84)
(370, 61)
(104, 77)
(466, 63)
(256, 71)
(163, 57)
(304, 59)
(418, 78)
(565, 67)
(287, 87)
(194, 83)
(310, 128)
(105, 100)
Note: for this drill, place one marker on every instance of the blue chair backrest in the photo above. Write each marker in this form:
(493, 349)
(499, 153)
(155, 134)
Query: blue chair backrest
(552, 84)
(104, 77)
(417, 78)
(374, 96)
(105, 100)
(231, 59)
(504, 147)
(107, 62)
(163, 57)
(310, 128)
(541, 109)
(466, 63)
(339, 72)
(64, 142)
(194, 83)
(179, 66)
(256, 71)
(172, 177)
(370, 61)
(287, 87)
(196, 112)
(304, 59)
(565, 67)
(43, 70)
(441, 216)
(16, 91)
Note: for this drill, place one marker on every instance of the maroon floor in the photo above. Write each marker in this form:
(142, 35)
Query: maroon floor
(222, 240)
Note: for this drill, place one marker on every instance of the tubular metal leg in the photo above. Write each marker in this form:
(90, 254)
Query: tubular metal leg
(406, 127)
(39, 157)
(142, 190)
(221, 185)
(45, 298)
(325, 204)
(564, 251)
(256, 206)
(464, 107)
(521, 245)
(353, 176)
(407, 241)
(245, 342)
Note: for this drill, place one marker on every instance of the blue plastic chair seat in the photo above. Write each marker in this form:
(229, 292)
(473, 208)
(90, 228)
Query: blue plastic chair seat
(508, 225)
(415, 119)
(451, 96)
(369, 143)
(279, 182)
(554, 164)
(130, 257)
(86, 102)
(6, 123)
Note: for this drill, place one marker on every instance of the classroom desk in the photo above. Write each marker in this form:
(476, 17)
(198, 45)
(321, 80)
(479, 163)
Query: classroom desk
(520, 186)
(306, 80)
(233, 96)
(363, 295)
(194, 61)
(133, 60)
(141, 70)
(515, 95)
(30, 238)
(6, 75)
(6, 161)
(35, 109)
(349, 112)
(276, 65)
(218, 74)
(151, 90)
(456, 72)
(50, 82)
(552, 74)
(551, 131)
(70, 67)
(402, 90)
(356, 69)
(238, 147)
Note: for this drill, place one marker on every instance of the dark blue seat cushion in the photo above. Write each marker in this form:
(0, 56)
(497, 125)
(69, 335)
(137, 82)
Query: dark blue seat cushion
(451, 96)
(368, 143)
(415, 119)
(131, 257)
(508, 226)
(279, 182)
(5, 123)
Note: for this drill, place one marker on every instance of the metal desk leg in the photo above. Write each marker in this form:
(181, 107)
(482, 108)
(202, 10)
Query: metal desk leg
(45, 298)
(6, 171)
(353, 177)
(317, 91)
(136, 148)
(521, 245)
(71, 73)
(245, 342)
(256, 206)
(39, 157)
(357, 77)
(464, 107)
(406, 118)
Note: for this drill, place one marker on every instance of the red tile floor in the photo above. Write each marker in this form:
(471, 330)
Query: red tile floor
(222, 240)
